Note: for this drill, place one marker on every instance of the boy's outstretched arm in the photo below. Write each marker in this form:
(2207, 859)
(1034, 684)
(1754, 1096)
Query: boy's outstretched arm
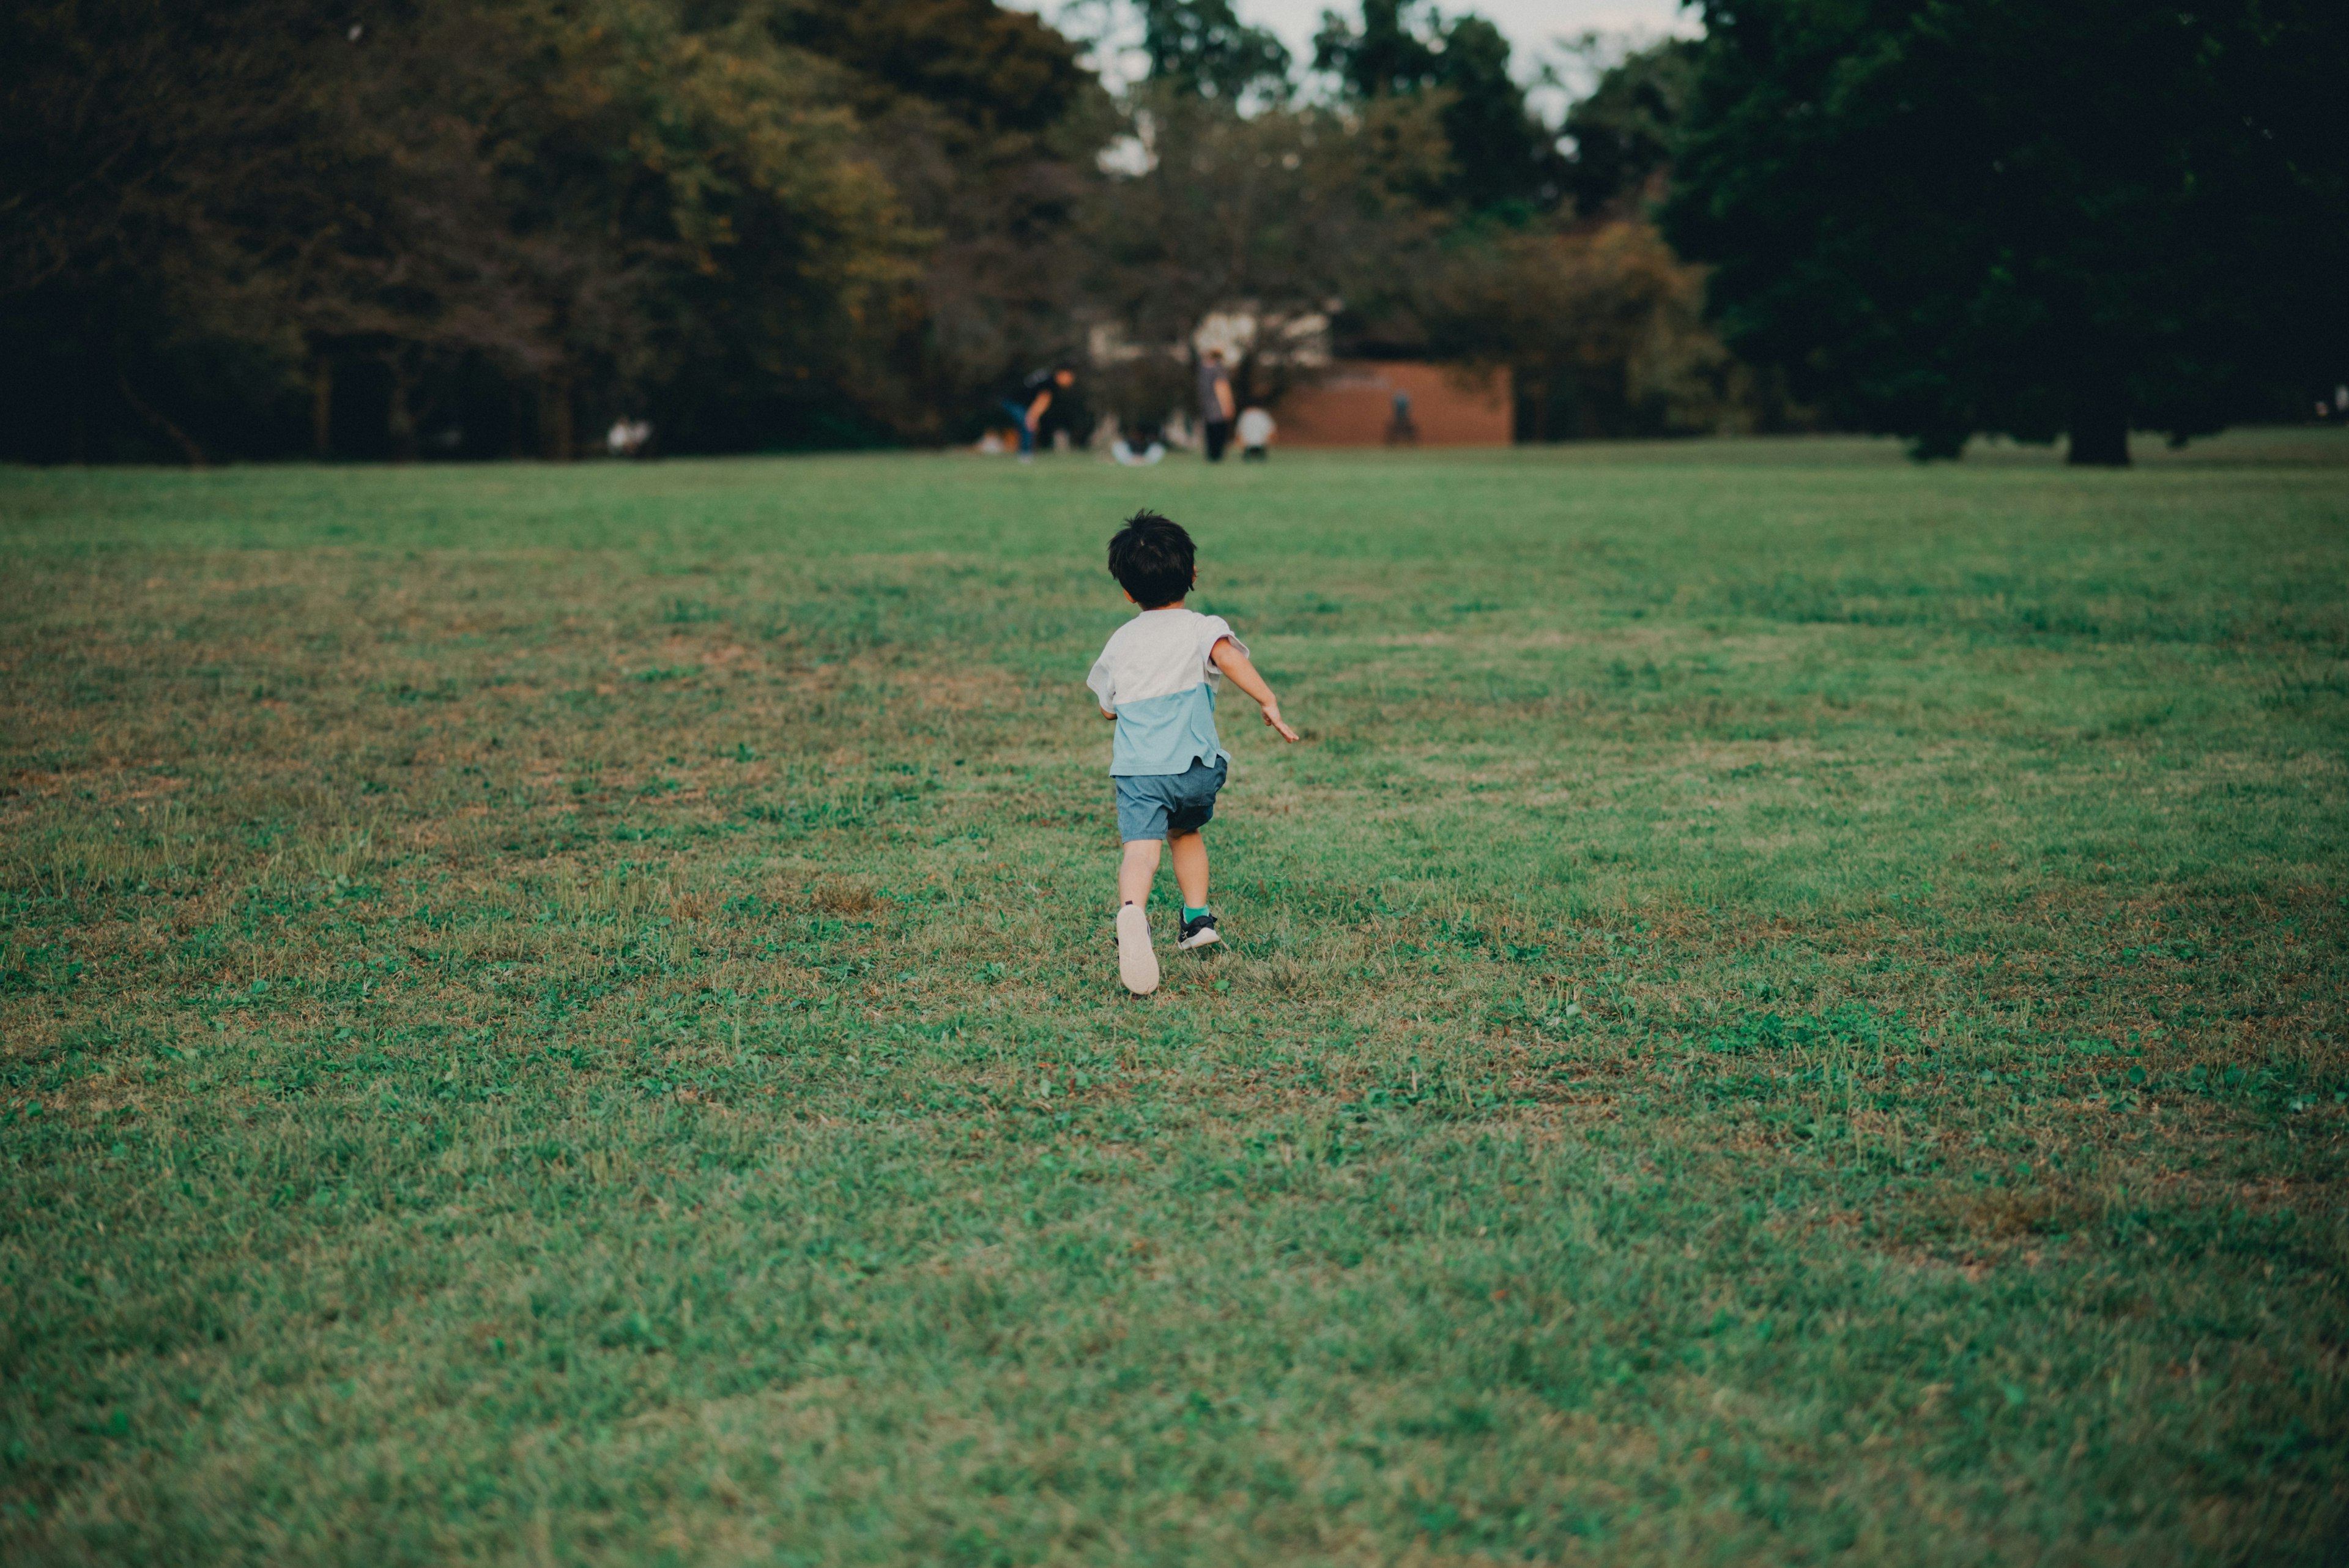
(1228, 658)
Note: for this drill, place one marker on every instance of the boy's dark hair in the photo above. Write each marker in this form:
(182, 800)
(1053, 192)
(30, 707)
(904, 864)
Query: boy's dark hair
(1151, 558)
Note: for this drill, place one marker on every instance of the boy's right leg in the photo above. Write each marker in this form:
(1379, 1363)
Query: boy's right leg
(1189, 852)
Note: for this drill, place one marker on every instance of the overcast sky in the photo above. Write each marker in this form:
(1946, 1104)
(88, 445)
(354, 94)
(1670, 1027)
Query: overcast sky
(1531, 25)
(1535, 27)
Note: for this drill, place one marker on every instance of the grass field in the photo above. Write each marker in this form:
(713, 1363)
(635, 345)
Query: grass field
(1790, 1010)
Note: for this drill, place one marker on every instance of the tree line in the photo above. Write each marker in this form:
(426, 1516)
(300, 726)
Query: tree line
(409, 228)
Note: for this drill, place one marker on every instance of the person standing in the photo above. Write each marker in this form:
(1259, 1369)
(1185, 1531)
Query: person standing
(1400, 430)
(1026, 403)
(1215, 404)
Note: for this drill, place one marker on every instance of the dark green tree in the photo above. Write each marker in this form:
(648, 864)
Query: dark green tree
(1503, 155)
(252, 227)
(1201, 46)
(139, 143)
(1277, 212)
(986, 126)
(990, 68)
(1951, 216)
(1622, 133)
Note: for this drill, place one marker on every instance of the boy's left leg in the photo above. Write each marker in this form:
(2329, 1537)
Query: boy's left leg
(1190, 855)
(1189, 851)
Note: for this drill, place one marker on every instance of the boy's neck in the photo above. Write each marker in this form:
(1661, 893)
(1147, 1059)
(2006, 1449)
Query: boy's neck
(1148, 609)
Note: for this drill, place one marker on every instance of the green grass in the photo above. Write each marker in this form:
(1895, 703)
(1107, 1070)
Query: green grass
(1790, 1010)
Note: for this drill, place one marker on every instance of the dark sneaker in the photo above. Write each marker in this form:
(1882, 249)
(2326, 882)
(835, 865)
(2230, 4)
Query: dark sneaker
(1199, 931)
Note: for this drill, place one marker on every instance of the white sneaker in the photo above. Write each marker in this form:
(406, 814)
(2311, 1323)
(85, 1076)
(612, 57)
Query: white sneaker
(1137, 965)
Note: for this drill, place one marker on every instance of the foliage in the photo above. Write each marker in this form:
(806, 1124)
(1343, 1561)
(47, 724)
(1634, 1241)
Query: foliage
(685, 213)
(478, 227)
(985, 127)
(128, 130)
(970, 60)
(1790, 1008)
(1602, 328)
(473, 227)
(1623, 132)
(1285, 210)
(1418, 210)
(1503, 156)
(1944, 216)
(1202, 49)
(615, 202)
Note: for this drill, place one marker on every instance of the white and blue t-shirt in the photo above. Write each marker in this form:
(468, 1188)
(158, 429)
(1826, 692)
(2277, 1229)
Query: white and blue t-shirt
(1155, 676)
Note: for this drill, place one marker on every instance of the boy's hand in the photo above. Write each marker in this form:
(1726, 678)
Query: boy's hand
(1227, 657)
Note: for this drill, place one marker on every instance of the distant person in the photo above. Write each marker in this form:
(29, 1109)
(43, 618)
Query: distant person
(628, 437)
(1400, 429)
(1138, 448)
(1027, 403)
(1255, 435)
(1157, 679)
(1216, 403)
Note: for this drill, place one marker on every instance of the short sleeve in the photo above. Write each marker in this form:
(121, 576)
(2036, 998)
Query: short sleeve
(1213, 629)
(1101, 682)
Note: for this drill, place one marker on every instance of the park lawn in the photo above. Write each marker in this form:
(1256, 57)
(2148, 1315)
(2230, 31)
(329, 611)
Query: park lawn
(1790, 1008)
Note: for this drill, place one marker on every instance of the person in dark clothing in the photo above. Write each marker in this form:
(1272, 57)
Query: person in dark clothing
(1027, 401)
(1400, 430)
(1216, 403)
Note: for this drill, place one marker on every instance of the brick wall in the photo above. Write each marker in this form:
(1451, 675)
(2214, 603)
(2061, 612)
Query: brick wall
(1353, 405)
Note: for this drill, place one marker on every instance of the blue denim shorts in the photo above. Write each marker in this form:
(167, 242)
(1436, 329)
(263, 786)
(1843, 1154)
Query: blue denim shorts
(1156, 805)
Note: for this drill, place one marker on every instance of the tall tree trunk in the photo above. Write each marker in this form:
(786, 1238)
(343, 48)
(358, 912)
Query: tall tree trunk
(554, 443)
(2100, 423)
(77, 430)
(399, 422)
(322, 406)
(180, 438)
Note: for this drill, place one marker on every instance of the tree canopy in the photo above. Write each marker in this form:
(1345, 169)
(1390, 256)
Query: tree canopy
(1503, 156)
(1623, 132)
(1951, 216)
(474, 224)
(1202, 47)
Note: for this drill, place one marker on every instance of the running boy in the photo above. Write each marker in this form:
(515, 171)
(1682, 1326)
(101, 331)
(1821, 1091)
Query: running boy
(1157, 679)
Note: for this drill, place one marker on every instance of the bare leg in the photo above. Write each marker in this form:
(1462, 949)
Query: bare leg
(1138, 867)
(1190, 852)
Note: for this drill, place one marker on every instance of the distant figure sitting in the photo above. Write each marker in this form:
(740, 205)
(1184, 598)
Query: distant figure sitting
(1138, 448)
(628, 438)
(1400, 429)
(1255, 435)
